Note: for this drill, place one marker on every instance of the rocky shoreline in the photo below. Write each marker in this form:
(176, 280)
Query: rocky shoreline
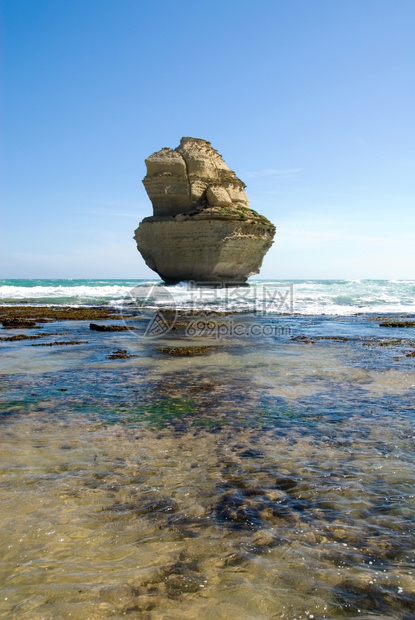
(281, 460)
(181, 329)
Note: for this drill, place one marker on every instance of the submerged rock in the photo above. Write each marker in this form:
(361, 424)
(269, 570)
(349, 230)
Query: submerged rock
(57, 342)
(120, 354)
(391, 323)
(108, 328)
(202, 228)
(17, 323)
(187, 351)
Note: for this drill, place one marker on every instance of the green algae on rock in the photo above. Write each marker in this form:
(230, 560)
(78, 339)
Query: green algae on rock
(42, 314)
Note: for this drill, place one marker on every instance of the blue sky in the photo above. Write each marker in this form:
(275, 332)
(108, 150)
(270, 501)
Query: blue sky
(310, 102)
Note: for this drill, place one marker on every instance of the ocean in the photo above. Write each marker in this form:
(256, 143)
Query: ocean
(311, 297)
(233, 453)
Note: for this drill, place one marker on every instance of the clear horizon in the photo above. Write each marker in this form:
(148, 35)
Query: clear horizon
(310, 103)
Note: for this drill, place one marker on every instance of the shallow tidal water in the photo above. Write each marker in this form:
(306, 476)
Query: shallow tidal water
(270, 477)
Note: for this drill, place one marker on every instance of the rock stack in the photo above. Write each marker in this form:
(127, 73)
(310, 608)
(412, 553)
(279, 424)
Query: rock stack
(202, 228)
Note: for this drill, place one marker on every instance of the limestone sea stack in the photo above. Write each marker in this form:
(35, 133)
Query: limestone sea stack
(202, 227)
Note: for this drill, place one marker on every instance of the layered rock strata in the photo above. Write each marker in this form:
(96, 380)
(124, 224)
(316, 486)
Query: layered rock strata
(202, 228)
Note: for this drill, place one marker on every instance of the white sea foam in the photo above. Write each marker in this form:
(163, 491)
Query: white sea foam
(59, 292)
(331, 297)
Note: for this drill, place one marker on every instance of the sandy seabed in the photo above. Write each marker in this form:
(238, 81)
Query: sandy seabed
(267, 477)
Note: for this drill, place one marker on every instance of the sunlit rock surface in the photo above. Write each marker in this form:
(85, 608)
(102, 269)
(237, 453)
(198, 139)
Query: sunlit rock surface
(202, 228)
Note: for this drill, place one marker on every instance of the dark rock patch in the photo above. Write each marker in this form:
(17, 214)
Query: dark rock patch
(174, 581)
(253, 510)
(303, 339)
(43, 314)
(187, 351)
(251, 453)
(202, 387)
(19, 337)
(109, 328)
(144, 603)
(391, 323)
(120, 354)
(137, 509)
(356, 597)
(238, 512)
(184, 525)
(285, 483)
(58, 342)
(182, 577)
(235, 559)
(334, 338)
(16, 323)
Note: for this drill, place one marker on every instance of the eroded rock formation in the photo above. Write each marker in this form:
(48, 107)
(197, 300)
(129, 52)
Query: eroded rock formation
(202, 228)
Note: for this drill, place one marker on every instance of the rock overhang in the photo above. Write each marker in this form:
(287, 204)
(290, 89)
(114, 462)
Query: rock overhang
(202, 226)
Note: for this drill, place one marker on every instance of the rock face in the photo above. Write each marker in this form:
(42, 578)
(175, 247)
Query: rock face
(202, 228)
